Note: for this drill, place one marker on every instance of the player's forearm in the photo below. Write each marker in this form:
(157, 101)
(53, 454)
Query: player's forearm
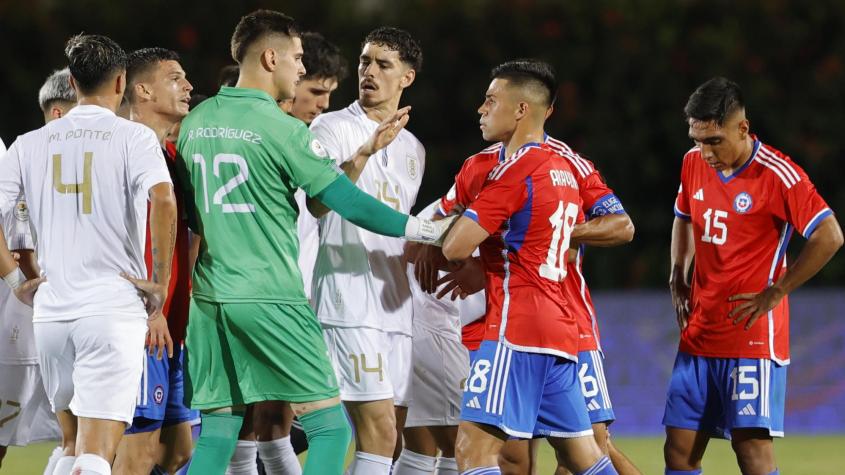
(7, 262)
(361, 209)
(604, 231)
(28, 263)
(352, 167)
(819, 249)
(682, 250)
(163, 213)
(463, 239)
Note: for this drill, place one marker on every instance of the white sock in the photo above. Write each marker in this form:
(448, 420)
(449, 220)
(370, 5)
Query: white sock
(91, 464)
(243, 460)
(413, 463)
(446, 466)
(55, 455)
(64, 465)
(370, 464)
(278, 457)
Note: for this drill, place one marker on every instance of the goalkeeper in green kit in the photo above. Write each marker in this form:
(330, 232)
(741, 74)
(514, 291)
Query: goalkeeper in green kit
(252, 335)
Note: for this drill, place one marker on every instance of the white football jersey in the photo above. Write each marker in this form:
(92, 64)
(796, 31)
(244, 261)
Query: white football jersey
(86, 178)
(444, 316)
(308, 230)
(359, 278)
(17, 339)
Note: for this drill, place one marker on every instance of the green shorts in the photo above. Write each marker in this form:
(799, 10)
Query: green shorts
(241, 353)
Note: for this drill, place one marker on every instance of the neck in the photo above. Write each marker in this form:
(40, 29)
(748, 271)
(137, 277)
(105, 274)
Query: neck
(743, 157)
(260, 82)
(160, 124)
(522, 136)
(380, 112)
(108, 101)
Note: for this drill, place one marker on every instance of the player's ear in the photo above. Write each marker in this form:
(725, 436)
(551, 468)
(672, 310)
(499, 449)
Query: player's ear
(56, 112)
(408, 78)
(521, 110)
(120, 83)
(744, 128)
(268, 59)
(549, 111)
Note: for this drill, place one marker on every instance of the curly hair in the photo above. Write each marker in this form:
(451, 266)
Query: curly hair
(400, 41)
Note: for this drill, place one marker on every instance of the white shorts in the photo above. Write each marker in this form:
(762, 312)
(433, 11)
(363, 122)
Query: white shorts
(370, 364)
(441, 366)
(92, 365)
(25, 414)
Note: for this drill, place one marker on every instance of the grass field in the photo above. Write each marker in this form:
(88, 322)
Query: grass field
(797, 455)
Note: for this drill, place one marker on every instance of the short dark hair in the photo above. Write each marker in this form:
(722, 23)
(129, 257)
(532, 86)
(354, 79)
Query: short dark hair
(92, 59)
(56, 88)
(321, 58)
(525, 72)
(228, 75)
(142, 61)
(714, 101)
(258, 24)
(400, 41)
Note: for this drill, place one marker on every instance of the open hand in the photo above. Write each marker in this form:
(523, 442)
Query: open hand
(26, 291)
(466, 278)
(158, 337)
(754, 305)
(154, 294)
(387, 131)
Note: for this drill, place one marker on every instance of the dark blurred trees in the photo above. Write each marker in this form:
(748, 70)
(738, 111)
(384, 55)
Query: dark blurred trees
(625, 70)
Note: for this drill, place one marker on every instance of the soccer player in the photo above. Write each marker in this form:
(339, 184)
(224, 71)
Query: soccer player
(273, 427)
(252, 336)
(158, 93)
(523, 380)
(361, 291)
(86, 178)
(440, 364)
(56, 97)
(607, 225)
(738, 204)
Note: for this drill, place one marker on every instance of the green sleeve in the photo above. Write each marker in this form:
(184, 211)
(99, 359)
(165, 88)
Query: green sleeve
(362, 209)
(306, 162)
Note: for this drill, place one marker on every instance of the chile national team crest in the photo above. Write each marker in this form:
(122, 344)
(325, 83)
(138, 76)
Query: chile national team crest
(743, 202)
(158, 394)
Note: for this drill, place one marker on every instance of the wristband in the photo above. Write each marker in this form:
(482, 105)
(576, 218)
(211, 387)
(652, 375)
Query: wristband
(428, 231)
(15, 278)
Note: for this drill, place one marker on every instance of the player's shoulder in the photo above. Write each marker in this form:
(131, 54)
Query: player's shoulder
(489, 154)
(779, 165)
(580, 165)
(523, 162)
(334, 119)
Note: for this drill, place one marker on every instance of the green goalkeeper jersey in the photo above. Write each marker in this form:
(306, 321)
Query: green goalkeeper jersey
(243, 159)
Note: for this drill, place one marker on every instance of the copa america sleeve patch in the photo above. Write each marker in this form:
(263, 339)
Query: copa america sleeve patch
(318, 149)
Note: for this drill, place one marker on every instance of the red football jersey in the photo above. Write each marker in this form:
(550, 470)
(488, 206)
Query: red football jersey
(741, 227)
(468, 183)
(597, 199)
(530, 201)
(179, 292)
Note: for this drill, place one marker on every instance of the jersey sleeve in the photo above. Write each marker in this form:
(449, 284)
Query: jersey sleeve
(307, 162)
(10, 179)
(147, 167)
(804, 208)
(457, 193)
(682, 209)
(323, 132)
(597, 198)
(17, 227)
(503, 195)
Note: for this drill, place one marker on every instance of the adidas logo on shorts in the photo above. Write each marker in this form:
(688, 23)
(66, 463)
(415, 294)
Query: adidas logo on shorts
(748, 410)
(473, 403)
(593, 405)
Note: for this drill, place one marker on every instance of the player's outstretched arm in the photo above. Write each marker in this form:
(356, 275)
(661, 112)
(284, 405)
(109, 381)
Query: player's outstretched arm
(604, 231)
(353, 166)
(363, 210)
(463, 238)
(13, 276)
(820, 248)
(682, 252)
